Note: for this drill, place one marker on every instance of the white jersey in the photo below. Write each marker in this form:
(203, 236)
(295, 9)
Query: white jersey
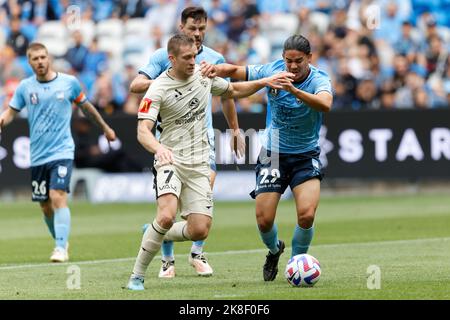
(181, 106)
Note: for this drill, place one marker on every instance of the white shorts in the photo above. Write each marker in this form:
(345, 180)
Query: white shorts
(189, 183)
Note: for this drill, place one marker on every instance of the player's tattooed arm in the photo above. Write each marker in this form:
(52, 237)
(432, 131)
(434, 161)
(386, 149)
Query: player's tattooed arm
(6, 117)
(92, 114)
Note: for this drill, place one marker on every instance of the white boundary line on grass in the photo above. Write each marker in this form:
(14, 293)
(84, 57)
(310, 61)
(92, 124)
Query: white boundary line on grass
(220, 253)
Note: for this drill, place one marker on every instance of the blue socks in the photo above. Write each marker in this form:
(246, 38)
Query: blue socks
(270, 239)
(62, 226)
(50, 225)
(167, 250)
(197, 246)
(301, 240)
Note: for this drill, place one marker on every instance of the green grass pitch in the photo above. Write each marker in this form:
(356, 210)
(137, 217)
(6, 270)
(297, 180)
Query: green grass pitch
(407, 237)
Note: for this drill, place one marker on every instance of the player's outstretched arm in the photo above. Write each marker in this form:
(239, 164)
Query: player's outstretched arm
(149, 142)
(245, 89)
(223, 70)
(6, 117)
(140, 84)
(321, 101)
(92, 114)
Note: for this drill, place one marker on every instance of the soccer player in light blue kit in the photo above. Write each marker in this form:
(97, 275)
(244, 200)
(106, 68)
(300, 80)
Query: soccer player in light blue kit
(193, 24)
(290, 151)
(48, 97)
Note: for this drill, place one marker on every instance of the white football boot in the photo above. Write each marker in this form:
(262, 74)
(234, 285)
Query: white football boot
(167, 269)
(200, 264)
(60, 254)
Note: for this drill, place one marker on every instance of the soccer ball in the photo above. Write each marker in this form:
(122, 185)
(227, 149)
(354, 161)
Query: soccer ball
(302, 270)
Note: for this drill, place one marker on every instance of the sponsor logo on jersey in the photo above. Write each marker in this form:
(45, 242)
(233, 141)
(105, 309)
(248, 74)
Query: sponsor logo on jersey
(168, 187)
(60, 95)
(315, 164)
(145, 105)
(34, 98)
(62, 171)
(273, 92)
(191, 117)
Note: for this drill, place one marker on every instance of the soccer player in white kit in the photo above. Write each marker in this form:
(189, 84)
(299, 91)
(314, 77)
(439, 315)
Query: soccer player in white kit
(193, 24)
(178, 98)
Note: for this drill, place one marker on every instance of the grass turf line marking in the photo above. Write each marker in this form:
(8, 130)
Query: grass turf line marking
(220, 253)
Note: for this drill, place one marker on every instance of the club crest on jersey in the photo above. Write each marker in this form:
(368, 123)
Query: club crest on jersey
(194, 103)
(144, 107)
(298, 101)
(315, 164)
(34, 98)
(273, 92)
(60, 95)
(62, 171)
(204, 82)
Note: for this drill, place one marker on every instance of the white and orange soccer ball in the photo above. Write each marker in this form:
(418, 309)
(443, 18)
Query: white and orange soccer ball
(302, 270)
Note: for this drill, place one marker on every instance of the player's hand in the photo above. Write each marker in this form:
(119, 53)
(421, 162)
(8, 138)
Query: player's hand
(208, 70)
(237, 143)
(110, 134)
(282, 80)
(164, 155)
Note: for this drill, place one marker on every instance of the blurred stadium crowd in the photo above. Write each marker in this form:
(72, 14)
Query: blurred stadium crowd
(380, 54)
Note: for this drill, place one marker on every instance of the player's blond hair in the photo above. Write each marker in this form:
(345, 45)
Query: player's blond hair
(34, 46)
(178, 40)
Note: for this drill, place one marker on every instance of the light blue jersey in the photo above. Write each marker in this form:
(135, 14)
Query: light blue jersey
(49, 107)
(295, 124)
(159, 62)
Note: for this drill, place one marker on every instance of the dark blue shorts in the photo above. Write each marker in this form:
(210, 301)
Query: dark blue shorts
(52, 175)
(275, 172)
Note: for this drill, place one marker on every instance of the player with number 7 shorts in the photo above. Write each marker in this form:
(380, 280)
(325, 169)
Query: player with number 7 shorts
(178, 98)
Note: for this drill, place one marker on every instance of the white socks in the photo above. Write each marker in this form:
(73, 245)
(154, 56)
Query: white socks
(151, 243)
(178, 232)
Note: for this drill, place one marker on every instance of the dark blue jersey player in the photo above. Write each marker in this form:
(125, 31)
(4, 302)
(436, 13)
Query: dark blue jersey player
(48, 97)
(290, 146)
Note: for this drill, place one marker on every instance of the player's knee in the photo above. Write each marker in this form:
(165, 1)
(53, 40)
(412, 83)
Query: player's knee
(264, 224)
(305, 217)
(199, 229)
(165, 219)
(46, 208)
(264, 221)
(58, 199)
(198, 234)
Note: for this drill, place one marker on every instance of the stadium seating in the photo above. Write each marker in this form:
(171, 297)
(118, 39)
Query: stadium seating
(110, 28)
(87, 29)
(52, 30)
(54, 35)
(277, 29)
(136, 27)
